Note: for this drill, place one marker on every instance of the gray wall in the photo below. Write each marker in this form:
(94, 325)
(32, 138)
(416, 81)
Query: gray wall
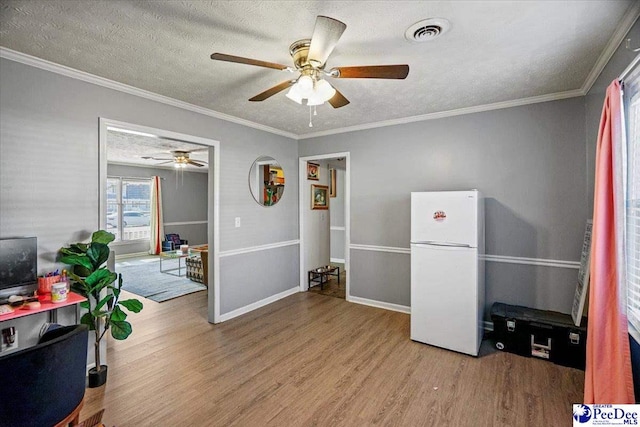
(528, 161)
(49, 165)
(595, 100)
(337, 213)
(184, 199)
(316, 222)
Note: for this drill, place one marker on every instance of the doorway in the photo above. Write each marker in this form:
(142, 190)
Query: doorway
(211, 153)
(325, 234)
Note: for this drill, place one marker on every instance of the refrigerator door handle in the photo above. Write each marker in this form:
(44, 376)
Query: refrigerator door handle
(447, 244)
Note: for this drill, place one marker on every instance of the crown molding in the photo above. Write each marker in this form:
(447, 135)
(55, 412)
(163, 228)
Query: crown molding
(111, 84)
(630, 18)
(616, 39)
(442, 114)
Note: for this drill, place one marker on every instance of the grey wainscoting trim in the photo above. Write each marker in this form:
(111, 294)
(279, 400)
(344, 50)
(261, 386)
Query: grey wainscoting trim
(233, 252)
(380, 304)
(491, 258)
(254, 306)
(186, 223)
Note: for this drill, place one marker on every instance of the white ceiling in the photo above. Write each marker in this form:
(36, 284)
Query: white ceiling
(125, 148)
(495, 51)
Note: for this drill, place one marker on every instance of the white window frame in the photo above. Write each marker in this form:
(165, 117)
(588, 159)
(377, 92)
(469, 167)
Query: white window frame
(631, 191)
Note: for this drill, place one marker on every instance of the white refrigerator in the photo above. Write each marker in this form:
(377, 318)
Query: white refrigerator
(447, 269)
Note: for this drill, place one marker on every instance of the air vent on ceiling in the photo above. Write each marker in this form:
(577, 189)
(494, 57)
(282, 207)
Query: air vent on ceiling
(427, 29)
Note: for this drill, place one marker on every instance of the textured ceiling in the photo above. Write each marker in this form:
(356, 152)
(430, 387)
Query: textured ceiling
(495, 51)
(129, 149)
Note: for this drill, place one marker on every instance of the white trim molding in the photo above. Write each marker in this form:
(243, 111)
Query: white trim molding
(250, 249)
(336, 260)
(111, 84)
(542, 262)
(614, 42)
(336, 228)
(380, 304)
(186, 223)
(256, 305)
(388, 249)
(533, 261)
(450, 113)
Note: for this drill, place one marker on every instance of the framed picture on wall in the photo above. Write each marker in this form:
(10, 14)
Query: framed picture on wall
(319, 196)
(313, 171)
(332, 186)
(580, 299)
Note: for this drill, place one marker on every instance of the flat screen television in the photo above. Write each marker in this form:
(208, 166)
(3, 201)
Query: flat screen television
(18, 265)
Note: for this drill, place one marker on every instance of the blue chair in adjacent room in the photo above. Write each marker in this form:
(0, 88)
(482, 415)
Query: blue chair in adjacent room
(44, 385)
(172, 242)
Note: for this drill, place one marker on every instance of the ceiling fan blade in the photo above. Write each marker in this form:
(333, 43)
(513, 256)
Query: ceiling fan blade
(372, 72)
(338, 100)
(194, 163)
(326, 34)
(154, 158)
(248, 61)
(272, 91)
(164, 163)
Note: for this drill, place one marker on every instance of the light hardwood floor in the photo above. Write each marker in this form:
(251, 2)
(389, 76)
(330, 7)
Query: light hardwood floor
(315, 360)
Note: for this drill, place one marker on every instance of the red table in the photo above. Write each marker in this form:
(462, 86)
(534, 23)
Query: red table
(46, 306)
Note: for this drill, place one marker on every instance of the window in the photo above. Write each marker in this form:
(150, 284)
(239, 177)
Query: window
(632, 200)
(129, 208)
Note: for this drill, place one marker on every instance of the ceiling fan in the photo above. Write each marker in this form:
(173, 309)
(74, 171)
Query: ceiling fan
(310, 58)
(180, 159)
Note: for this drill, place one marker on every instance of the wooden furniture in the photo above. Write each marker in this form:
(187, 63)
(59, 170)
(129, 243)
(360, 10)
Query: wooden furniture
(321, 275)
(46, 306)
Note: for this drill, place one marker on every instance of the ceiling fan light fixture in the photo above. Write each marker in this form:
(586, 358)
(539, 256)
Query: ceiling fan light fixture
(305, 86)
(294, 94)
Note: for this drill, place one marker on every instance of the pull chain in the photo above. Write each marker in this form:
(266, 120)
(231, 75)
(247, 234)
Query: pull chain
(310, 118)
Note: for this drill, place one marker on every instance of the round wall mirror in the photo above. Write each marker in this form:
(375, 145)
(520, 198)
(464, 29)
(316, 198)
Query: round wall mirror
(266, 181)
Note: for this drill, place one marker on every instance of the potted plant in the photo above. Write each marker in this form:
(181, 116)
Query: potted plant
(101, 286)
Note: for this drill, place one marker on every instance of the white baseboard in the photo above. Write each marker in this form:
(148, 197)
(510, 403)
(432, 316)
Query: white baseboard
(380, 304)
(132, 255)
(487, 325)
(247, 308)
(337, 260)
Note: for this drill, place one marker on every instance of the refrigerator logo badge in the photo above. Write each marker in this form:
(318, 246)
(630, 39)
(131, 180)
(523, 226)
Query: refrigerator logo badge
(439, 216)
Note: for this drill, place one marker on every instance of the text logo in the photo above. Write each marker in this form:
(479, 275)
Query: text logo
(439, 215)
(581, 413)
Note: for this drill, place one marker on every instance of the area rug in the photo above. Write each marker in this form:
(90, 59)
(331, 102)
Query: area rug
(142, 277)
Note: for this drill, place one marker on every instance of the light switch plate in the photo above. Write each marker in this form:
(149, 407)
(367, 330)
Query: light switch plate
(237, 222)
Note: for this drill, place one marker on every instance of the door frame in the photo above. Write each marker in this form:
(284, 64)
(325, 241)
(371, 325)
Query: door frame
(302, 180)
(213, 195)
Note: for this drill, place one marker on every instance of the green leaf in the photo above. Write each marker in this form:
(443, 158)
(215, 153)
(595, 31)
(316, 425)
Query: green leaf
(77, 259)
(87, 319)
(117, 315)
(99, 279)
(98, 253)
(85, 304)
(103, 237)
(132, 305)
(120, 330)
(106, 300)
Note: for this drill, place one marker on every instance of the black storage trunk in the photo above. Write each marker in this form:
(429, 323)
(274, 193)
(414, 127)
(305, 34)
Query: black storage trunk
(537, 333)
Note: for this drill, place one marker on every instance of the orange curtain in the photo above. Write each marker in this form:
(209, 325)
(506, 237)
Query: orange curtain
(608, 377)
(156, 223)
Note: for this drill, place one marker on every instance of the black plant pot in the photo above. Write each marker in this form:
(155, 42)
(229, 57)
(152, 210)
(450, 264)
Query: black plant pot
(97, 378)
